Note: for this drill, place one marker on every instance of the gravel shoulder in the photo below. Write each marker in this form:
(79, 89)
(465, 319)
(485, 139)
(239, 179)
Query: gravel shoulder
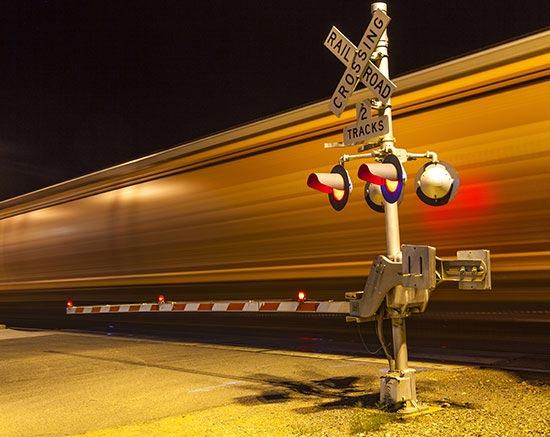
(465, 402)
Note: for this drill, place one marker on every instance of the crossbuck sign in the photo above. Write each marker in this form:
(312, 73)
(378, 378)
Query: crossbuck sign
(360, 68)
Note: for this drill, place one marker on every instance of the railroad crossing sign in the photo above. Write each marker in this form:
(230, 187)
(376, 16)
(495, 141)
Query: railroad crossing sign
(359, 66)
(366, 126)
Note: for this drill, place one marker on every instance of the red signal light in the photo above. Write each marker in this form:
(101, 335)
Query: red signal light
(336, 184)
(377, 173)
(70, 304)
(161, 299)
(389, 175)
(301, 296)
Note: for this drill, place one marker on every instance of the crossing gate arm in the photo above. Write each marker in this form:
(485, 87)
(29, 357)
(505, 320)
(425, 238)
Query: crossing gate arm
(248, 306)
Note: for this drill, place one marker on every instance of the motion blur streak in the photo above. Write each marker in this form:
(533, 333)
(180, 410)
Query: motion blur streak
(235, 206)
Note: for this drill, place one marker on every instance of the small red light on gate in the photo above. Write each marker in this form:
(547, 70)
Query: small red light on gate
(69, 304)
(161, 299)
(301, 295)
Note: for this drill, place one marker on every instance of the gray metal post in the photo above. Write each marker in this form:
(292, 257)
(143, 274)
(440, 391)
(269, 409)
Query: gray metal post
(393, 242)
(397, 388)
(400, 344)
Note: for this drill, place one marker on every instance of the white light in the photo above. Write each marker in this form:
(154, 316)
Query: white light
(435, 182)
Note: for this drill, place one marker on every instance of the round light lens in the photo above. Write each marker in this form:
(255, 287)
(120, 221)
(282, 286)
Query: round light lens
(436, 181)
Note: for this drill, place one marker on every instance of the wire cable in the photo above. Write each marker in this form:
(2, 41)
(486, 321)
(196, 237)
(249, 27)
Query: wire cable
(365, 344)
(380, 333)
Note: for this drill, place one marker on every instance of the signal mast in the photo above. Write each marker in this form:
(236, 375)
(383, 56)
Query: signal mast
(400, 282)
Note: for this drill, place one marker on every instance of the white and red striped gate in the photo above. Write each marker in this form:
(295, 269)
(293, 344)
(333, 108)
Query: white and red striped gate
(234, 306)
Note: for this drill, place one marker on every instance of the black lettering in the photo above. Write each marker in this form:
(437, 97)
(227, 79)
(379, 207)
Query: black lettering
(373, 127)
(368, 72)
(363, 113)
(334, 102)
(356, 67)
(373, 79)
(349, 78)
(381, 124)
(378, 87)
(362, 55)
(331, 38)
(346, 136)
(376, 82)
(379, 23)
(338, 46)
(343, 91)
(345, 55)
(372, 37)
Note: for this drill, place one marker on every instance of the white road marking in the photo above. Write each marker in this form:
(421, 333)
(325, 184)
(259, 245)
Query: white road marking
(213, 387)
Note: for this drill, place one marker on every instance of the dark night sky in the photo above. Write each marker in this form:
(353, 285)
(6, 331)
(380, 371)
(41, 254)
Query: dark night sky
(89, 84)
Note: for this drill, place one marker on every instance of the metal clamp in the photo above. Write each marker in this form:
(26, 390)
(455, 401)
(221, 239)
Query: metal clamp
(471, 269)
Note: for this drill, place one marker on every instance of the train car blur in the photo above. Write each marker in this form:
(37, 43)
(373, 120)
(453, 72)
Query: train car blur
(231, 213)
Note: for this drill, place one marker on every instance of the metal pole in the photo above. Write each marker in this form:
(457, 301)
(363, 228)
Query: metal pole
(393, 242)
(398, 387)
(393, 239)
(400, 344)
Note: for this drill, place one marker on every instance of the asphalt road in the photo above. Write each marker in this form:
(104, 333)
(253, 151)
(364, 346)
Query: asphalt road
(56, 383)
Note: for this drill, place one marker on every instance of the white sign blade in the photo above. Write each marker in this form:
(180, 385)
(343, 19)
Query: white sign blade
(372, 35)
(340, 46)
(343, 91)
(366, 129)
(380, 85)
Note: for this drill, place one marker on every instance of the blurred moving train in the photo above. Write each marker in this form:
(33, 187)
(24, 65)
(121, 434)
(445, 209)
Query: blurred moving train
(231, 216)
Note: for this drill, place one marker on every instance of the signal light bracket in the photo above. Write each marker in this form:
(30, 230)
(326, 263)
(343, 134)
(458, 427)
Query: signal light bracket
(368, 146)
(334, 145)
